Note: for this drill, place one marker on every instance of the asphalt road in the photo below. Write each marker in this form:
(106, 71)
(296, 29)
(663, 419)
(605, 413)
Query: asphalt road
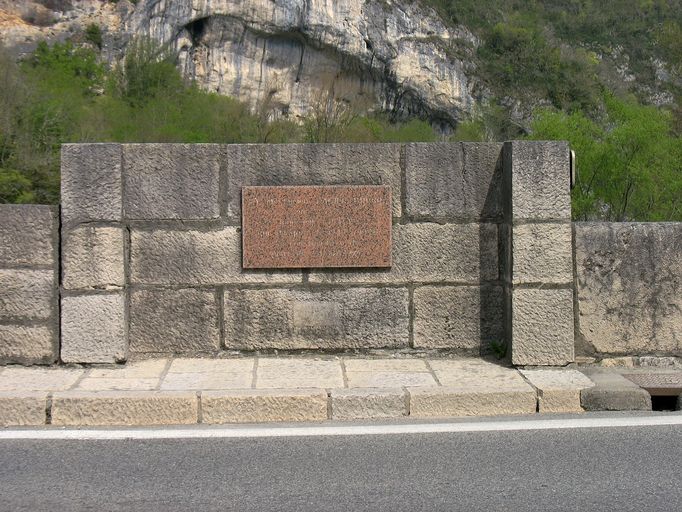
(581, 469)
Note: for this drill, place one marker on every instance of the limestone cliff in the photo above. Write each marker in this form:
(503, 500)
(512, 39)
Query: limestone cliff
(289, 56)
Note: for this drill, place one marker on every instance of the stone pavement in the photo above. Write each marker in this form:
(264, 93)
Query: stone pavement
(267, 389)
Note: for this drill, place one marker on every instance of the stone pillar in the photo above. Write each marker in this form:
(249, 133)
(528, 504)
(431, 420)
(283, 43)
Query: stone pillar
(538, 268)
(94, 240)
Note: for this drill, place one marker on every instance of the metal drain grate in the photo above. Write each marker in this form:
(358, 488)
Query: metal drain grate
(658, 384)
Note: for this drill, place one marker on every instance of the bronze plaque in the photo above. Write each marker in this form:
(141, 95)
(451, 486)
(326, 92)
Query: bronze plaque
(316, 226)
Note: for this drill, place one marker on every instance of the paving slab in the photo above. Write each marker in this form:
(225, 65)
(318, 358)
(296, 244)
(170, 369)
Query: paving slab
(38, 379)
(558, 390)
(389, 379)
(207, 380)
(298, 373)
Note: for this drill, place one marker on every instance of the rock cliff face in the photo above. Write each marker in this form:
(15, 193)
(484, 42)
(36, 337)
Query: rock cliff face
(294, 56)
(289, 57)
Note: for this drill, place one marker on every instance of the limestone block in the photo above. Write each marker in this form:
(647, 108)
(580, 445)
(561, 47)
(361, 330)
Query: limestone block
(311, 164)
(459, 317)
(92, 258)
(444, 402)
(27, 234)
(27, 294)
(174, 321)
(195, 257)
(477, 375)
(429, 252)
(24, 344)
(292, 319)
(90, 408)
(542, 326)
(368, 403)
(629, 283)
(94, 329)
(389, 379)
(22, 409)
(558, 390)
(543, 253)
(91, 182)
(540, 179)
(251, 406)
(453, 180)
(171, 181)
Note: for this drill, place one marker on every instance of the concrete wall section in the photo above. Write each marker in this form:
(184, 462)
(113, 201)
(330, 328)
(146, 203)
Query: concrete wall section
(629, 288)
(29, 312)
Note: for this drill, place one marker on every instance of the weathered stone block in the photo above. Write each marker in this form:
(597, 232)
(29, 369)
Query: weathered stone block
(537, 175)
(543, 253)
(92, 257)
(311, 164)
(454, 180)
(22, 409)
(613, 392)
(629, 281)
(25, 344)
(91, 182)
(462, 317)
(27, 234)
(83, 408)
(171, 181)
(94, 329)
(27, 294)
(369, 403)
(428, 253)
(195, 257)
(542, 326)
(174, 321)
(446, 402)
(353, 318)
(250, 406)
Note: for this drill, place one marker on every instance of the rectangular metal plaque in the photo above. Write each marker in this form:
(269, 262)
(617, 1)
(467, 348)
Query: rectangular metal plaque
(316, 226)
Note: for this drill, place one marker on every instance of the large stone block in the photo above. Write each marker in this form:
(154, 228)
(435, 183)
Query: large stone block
(174, 321)
(171, 181)
(538, 175)
(629, 281)
(24, 344)
(293, 319)
(251, 406)
(91, 182)
(85, 408)
(27, 294)
(430, 253)
(27, 234)
(542, 326)
(543, 253)
(461, 317)
(558, 390)
(195, 257)
(92, 257)
(454, 180)
(311, 164)
(94, 329)
(22, 409)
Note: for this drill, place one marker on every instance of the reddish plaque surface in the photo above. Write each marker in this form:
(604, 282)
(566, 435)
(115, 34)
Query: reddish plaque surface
(315, 226)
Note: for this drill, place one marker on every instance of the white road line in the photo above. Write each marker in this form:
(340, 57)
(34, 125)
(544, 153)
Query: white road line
(235, 431)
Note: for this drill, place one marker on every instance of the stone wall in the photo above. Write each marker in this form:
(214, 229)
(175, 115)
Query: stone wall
(629, 288)
(152, 251)
(29, 313)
